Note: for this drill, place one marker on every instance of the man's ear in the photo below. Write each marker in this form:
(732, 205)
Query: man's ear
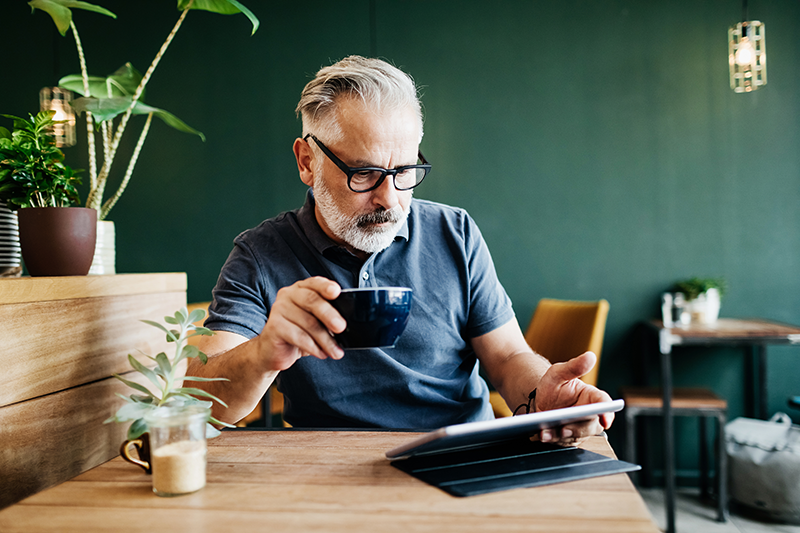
(305, 161)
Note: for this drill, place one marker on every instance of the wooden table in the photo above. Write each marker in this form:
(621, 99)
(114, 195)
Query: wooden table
(754, 334)
(298, 481)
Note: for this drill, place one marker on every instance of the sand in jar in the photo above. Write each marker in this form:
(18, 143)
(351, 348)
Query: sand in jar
(179, 468)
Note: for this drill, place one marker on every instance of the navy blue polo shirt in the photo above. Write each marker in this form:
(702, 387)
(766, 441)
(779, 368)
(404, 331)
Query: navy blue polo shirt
(430, 378)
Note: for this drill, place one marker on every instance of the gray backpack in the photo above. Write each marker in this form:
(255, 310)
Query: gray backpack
(764, 466)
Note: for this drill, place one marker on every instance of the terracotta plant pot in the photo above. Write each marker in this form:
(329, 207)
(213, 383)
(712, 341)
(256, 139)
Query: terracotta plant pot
(57, 241)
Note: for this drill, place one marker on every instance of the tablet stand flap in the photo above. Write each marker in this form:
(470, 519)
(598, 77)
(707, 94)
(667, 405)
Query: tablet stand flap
(508, 465)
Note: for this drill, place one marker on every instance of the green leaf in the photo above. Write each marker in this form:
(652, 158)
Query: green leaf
(123, 82)
(134, 385)
(197, 378)
(200, 330)
(223, 7)
(162, 328)
(149, 400)
(180, 315)
(189, 352)
(199, 392)
(218, 422)
(137, 429)
(197, 314)
(168, 118)
(148, 373)
(163, 363)
(133, 411)
(5, 134)
(74, 82)
(102, 108)
(211, 431)
(59, 11)
(126, 398)
(170, 320)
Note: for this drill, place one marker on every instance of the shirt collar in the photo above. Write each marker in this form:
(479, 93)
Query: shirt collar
(319, 239)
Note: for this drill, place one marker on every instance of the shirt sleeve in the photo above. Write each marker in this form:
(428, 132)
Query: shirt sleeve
(490, 306)
(239, 304)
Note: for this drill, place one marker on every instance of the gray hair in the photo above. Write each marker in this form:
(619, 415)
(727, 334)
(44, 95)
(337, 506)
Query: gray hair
(377, 83)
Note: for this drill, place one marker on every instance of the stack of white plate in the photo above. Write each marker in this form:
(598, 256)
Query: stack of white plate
(10, 252)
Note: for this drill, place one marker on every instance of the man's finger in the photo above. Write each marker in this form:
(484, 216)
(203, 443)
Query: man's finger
(574, 368)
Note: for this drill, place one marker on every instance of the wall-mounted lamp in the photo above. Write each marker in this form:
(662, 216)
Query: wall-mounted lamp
(58, 100)
(747, 54)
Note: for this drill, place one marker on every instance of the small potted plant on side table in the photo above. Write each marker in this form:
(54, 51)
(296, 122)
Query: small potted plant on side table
(169, 426)
(702, 297)
(56, 239)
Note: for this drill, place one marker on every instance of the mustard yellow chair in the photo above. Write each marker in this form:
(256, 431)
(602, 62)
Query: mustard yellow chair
(561, 330)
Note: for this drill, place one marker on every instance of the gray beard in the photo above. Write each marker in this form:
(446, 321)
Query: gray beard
(358, 230)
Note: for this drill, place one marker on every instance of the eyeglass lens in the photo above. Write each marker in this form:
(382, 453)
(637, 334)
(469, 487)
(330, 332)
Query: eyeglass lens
(364, 180)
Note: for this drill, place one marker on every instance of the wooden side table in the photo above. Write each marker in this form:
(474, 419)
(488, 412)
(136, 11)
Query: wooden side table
(754, 334)
(61, 340)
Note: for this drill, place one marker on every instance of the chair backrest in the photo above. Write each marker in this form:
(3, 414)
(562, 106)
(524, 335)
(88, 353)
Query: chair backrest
(563, 329)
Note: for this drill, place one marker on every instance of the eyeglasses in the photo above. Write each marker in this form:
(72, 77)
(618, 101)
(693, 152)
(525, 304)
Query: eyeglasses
(365, 179)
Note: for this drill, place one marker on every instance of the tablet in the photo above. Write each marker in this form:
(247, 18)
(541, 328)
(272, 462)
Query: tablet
(500, 429)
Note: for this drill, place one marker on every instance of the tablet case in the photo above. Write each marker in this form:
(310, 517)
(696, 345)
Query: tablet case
(508, 465)
(483, 432)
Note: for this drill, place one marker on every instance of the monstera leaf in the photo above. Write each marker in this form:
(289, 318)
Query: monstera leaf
(60, 12)
(107, 108)
(123, 82)
(223, 7)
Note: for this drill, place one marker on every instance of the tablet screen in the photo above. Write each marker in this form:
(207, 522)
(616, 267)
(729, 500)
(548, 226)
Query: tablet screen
(499, 429)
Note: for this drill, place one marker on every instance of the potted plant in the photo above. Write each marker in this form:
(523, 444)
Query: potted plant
(702, 296)
(165, 373)
(56, 239)
(118, 97)
(169, 421)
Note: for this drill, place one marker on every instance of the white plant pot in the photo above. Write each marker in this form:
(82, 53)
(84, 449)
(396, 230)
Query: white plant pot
(104, 261)
(705, 308)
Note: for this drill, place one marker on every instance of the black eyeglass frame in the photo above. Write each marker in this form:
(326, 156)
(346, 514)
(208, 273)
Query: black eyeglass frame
(350, 171)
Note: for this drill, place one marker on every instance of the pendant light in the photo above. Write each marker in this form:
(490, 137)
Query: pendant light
(58, 100)
(747, 54)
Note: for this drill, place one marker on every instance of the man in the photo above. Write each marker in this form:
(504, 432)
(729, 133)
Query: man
(359, 154)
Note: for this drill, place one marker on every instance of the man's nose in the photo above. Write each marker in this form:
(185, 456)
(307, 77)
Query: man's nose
(386, 193)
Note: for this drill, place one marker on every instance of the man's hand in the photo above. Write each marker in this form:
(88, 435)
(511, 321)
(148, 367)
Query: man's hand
(561, 387)
(300, 323)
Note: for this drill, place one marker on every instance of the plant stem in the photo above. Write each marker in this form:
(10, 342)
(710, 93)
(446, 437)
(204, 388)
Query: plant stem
(89, 118)
(124, 122)
(113, 200)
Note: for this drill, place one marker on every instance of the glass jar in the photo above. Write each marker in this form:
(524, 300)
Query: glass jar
(178, 448)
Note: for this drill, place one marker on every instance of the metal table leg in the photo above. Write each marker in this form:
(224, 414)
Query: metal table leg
(669, 434)
(761, 393)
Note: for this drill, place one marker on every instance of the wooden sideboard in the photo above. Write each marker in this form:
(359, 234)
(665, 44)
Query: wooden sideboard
(61, 339)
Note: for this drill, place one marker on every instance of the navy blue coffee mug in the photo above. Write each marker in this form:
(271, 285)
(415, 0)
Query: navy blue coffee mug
(375, 316)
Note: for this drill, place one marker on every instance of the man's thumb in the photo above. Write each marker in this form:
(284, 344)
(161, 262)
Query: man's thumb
(577, 366)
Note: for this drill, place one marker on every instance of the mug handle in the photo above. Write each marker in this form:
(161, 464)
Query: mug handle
(140, 445)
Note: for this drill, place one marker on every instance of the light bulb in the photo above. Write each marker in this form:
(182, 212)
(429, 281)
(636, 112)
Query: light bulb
(60, 114)
(745, 53)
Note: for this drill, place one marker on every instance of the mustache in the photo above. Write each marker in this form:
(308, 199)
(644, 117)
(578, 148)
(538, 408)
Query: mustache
(380, 216)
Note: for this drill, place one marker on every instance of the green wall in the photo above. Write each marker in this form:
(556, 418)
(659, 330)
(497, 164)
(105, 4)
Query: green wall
(597, 143)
